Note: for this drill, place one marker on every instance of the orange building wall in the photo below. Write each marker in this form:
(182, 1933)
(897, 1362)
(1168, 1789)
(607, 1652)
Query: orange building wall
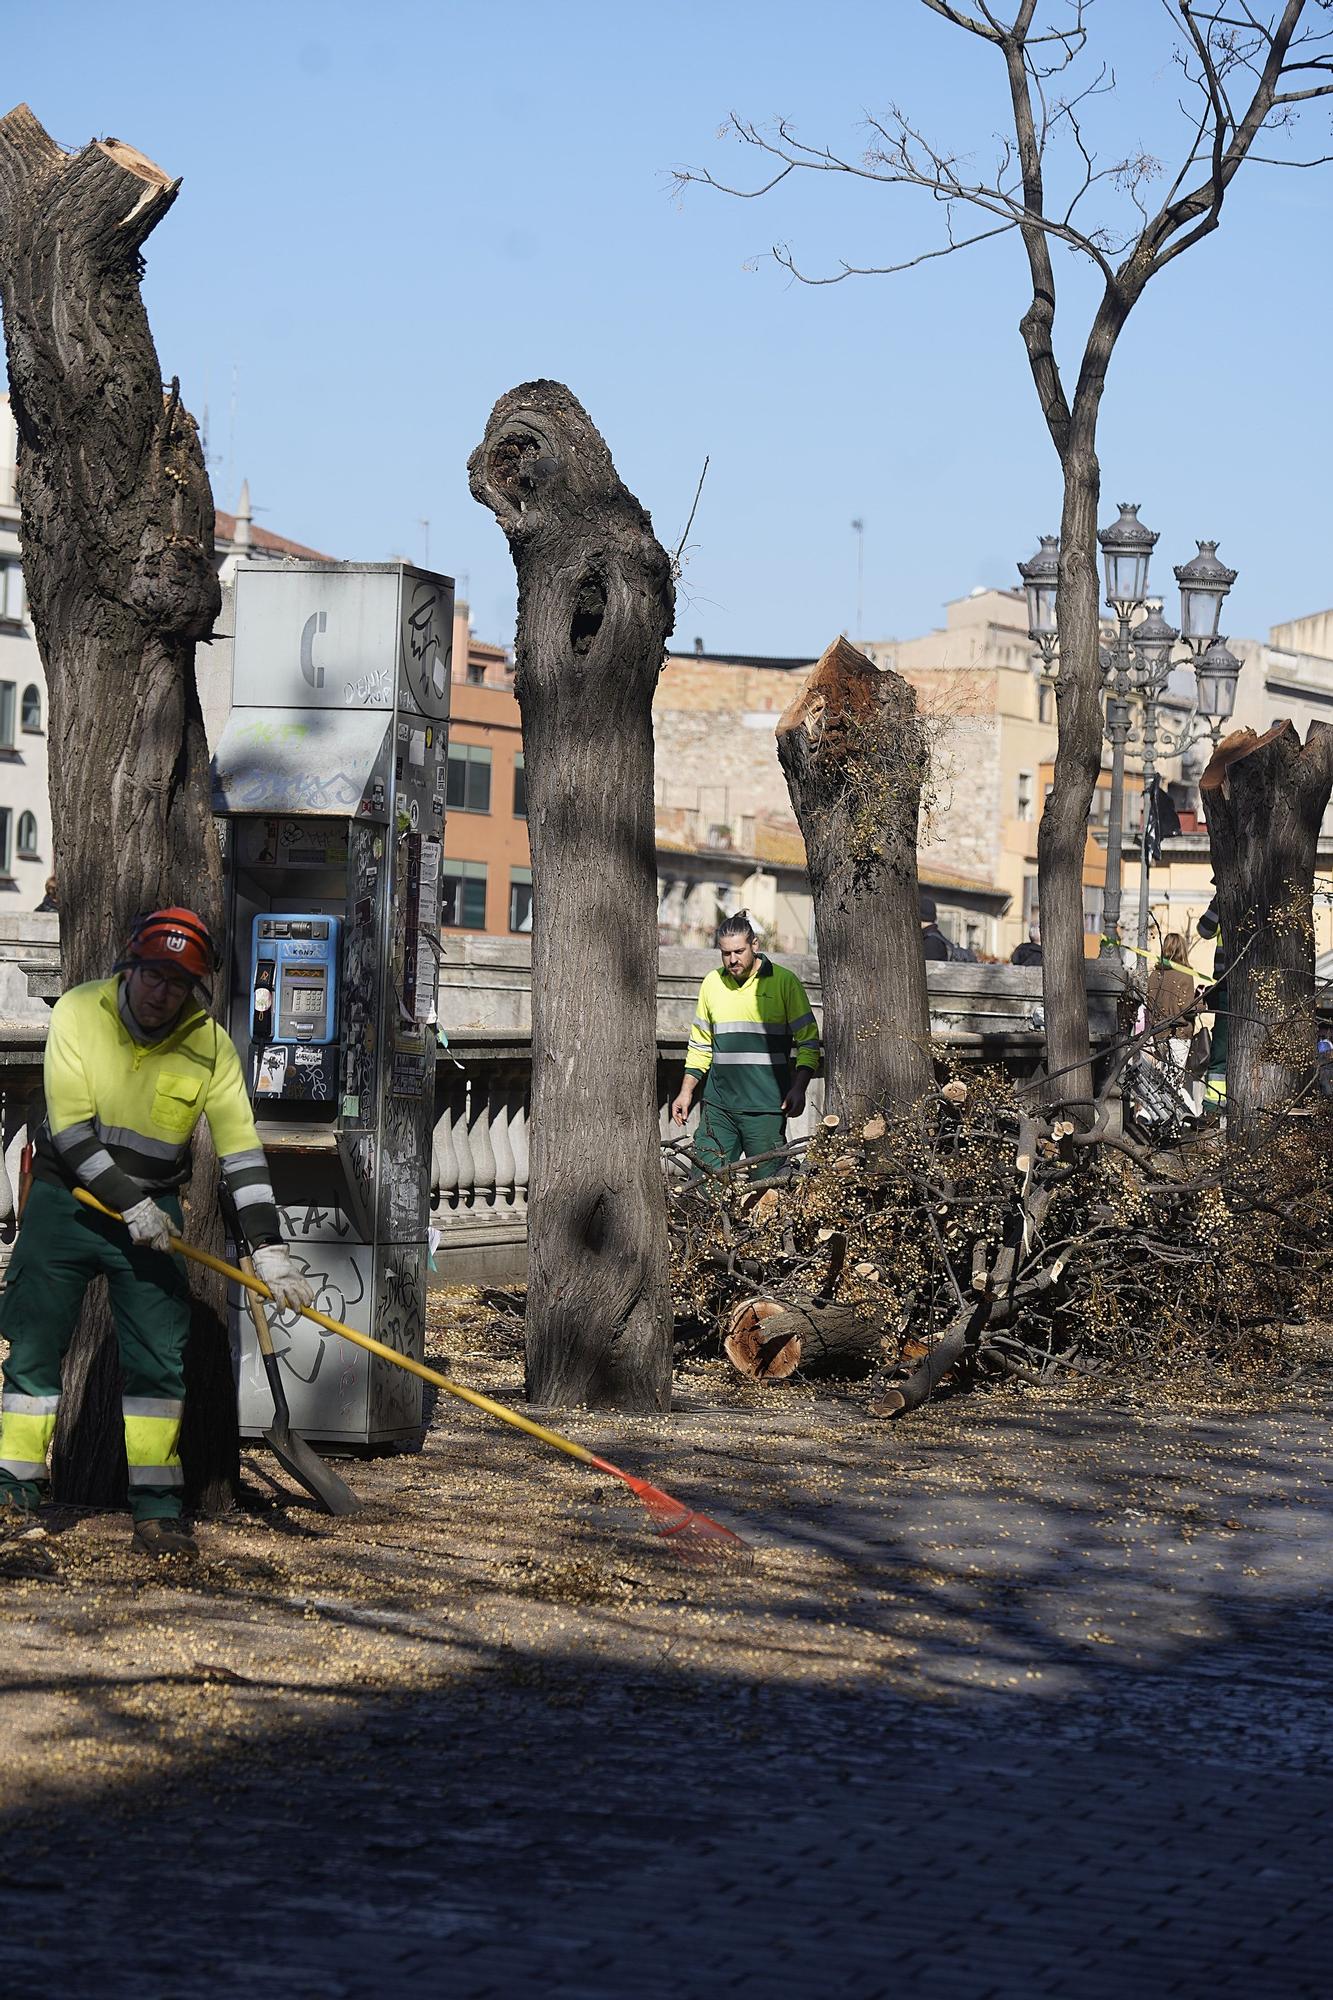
(489, 716)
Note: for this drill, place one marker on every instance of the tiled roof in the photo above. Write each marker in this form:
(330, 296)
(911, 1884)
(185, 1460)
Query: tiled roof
(260, 538)
(781, 845)
(936, 877)
(779, 664)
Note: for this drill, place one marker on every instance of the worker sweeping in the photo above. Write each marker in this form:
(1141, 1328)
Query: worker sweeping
(132, 1063)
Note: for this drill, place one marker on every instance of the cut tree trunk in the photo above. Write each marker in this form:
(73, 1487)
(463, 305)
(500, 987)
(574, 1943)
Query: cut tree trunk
(854, 754)
(596, 603)
(769, 1342)
(1264, 798)
(118, 562)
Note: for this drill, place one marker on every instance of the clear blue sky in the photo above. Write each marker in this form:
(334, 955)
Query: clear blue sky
(391, 214)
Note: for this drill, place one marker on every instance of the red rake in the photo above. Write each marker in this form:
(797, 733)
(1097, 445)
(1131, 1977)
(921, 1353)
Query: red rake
(696, 1536)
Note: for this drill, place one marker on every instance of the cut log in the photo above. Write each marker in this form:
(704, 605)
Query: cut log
(1264, 798)
(854, 754)
(769, 1342)
(908, 1392)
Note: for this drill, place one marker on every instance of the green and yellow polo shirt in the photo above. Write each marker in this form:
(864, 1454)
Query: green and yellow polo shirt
(748, 1036)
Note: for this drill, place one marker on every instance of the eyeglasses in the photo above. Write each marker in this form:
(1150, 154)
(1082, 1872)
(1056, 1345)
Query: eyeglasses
(158, 981)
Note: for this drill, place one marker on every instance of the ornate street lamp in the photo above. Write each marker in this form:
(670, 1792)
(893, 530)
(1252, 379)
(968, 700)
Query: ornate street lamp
(1138, 663)
(1126, 546)
(1041, 575)
(1216, 672)
(1153, 641)
(1204, 582)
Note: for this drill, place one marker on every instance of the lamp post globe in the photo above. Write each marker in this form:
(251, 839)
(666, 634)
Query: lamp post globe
(1204, 582)
(1041, 577)
(1216, 672)
(1126, 546)
(1153, 642)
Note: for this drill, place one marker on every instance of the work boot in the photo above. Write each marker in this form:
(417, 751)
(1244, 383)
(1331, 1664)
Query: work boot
(164, 1538)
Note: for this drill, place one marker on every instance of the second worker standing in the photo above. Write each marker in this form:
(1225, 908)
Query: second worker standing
(754, 1047)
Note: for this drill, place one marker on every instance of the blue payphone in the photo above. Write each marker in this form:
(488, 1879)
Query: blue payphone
(294, 1003)
(330, 788)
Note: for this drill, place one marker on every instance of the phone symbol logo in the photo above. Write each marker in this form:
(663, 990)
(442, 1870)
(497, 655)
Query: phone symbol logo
(310, 673)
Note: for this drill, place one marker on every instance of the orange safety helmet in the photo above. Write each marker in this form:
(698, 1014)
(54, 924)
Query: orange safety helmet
(176, 937)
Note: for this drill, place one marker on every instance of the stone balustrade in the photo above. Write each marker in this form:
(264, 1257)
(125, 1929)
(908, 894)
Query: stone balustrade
(479, 1155)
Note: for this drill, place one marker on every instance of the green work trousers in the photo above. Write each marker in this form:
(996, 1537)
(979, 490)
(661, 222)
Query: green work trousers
(61, 1248)
(723, 1136)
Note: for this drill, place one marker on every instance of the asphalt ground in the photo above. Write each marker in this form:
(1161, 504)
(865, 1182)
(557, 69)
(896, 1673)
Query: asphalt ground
(1024, 1695)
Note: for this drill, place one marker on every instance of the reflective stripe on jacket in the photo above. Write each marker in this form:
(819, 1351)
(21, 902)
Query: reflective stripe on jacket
(120, 1113)
(747, 1034)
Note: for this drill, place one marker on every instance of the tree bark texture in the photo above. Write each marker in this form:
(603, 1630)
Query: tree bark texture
(854, 755)
(596, 603)
(117, 529)
(1264, 798)
(1062, 832)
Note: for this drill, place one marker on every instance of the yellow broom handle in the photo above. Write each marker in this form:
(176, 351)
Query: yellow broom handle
(372, 1346)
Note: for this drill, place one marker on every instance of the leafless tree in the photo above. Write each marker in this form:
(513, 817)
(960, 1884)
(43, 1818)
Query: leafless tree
(1245, 74)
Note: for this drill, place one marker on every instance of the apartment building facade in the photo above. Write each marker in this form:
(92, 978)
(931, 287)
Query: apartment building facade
(25, 811)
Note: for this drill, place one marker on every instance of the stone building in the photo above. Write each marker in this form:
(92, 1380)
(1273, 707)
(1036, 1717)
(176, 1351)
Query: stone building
(25, 812)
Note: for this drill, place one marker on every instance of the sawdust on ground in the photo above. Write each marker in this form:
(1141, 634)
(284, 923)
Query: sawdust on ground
(486, 1560)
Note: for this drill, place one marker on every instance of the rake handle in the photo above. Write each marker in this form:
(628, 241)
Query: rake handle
(372, 1346)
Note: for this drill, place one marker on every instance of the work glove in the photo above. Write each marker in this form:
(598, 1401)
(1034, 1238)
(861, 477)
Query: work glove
(148, 1226)
(290, 1287)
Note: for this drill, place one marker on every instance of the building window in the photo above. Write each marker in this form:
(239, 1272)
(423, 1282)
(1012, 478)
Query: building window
(520, 899)
(1029, 900)
(463, 895)
(1025, 795)
(27, 836)
(469, 778)
(7, 694)
(520, 788)
(476, 673)
(32, 708)
(1045, 702)
(12, 601)
(1092, 910)
(6, 842)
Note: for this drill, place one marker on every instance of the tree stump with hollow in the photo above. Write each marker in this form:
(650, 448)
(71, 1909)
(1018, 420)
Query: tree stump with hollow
(596, 602)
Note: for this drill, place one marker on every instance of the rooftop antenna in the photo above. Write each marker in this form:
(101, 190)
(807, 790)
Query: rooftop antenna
(424, 526)
(859, 530)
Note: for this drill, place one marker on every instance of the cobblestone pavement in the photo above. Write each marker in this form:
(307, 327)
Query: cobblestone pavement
(1024, 1697)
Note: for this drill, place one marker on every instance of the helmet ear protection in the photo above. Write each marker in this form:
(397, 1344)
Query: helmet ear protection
(173, 937)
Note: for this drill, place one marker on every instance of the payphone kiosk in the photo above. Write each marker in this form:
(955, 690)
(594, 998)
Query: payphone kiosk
(329, 787)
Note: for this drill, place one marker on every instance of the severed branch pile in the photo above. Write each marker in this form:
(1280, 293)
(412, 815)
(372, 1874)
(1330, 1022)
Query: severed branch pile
(979, 1236)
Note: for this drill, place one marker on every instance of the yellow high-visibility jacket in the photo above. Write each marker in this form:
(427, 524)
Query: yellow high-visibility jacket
(120, 1112)
(749, 1034)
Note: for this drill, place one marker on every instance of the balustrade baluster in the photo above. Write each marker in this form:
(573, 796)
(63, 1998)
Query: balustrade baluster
(520, 1105)
(498, 1113)
(458, 1138)
(444, 1162)
(479, 1139)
